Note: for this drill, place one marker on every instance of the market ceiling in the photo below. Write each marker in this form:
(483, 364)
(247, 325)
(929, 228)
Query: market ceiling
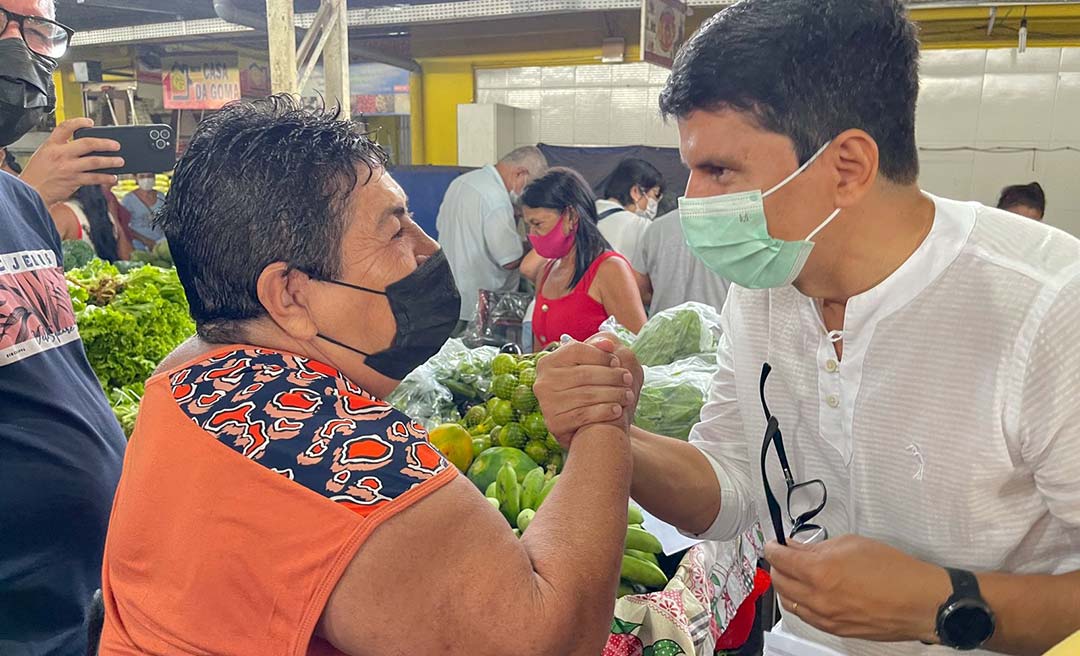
(98, 14)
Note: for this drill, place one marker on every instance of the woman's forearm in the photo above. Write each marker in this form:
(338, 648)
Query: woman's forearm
(576, 541)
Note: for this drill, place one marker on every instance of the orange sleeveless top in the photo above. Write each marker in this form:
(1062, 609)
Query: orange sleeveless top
(251, 480)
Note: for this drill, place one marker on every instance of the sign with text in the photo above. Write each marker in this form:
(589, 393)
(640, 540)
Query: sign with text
(663, 30)
(200, 81)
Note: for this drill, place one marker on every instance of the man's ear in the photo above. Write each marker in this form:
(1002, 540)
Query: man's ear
(636, 194)
(285, 295)
(856, 161)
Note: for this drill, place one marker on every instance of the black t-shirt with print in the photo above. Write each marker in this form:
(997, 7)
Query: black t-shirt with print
(60, 445)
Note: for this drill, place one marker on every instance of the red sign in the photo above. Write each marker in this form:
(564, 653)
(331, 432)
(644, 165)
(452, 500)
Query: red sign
(663, 30)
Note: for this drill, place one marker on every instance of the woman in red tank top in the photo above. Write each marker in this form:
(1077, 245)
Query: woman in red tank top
(584, 281)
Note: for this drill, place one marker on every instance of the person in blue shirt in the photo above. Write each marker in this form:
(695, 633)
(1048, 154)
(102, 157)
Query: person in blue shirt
(144, 203)
(60, 445)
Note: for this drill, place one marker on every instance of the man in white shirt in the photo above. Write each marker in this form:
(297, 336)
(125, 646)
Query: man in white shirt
(477, 229)
(925, 362)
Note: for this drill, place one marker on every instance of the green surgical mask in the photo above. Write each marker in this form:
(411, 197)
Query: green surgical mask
(730, 235)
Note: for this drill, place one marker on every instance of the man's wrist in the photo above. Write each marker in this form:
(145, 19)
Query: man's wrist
(938, 588)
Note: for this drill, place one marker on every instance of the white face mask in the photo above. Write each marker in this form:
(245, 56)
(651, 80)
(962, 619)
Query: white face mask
(651, 209)
(146, 184)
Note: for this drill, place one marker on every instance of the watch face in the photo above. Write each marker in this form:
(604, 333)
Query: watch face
(968, 624)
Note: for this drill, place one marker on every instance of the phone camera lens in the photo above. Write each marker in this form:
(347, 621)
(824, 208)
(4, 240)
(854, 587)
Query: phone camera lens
(155, 134)
(161, 144)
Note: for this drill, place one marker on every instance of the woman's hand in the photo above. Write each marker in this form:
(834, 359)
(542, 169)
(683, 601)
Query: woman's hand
(585, 383)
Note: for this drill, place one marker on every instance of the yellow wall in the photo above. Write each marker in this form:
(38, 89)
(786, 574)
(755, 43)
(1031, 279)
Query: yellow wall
(69, 99)
(447, 82)
(445, 85)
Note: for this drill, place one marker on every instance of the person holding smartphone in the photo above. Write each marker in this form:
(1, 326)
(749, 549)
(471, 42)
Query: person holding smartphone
(60, 445)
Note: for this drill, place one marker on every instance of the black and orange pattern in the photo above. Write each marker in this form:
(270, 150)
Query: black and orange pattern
(306, 421)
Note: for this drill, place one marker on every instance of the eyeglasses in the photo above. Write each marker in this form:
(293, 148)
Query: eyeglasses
(805, 501)
(42, 36)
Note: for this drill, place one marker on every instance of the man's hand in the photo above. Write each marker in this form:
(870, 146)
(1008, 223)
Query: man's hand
(855, 587)
(60, 165)
(585, 383)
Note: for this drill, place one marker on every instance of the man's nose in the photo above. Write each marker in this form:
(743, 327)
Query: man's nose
(11, 31)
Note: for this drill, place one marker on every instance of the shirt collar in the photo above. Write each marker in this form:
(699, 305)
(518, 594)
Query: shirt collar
(953, 223)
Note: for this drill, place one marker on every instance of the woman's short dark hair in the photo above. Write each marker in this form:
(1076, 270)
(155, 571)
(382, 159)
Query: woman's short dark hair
(627, 174)
(562, 189)
(102, 229)
(809, 70)
(1031, 195)
(261, 182)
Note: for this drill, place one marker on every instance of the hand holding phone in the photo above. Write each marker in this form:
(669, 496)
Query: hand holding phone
(144, 148)
(62, 165)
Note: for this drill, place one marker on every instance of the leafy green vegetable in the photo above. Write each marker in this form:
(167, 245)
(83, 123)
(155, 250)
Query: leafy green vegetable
(125, 404)
(677, 333)
(77, 253)
(128, 322)
(672, 397)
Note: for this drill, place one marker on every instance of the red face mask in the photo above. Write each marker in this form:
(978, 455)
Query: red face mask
(555, 243)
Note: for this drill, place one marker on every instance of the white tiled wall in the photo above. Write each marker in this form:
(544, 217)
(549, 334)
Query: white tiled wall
(970, 99)
(1000, 98)
(597, 105)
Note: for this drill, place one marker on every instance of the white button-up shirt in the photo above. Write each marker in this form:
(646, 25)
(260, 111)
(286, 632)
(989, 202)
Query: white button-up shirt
(950, 429)
(479, 235)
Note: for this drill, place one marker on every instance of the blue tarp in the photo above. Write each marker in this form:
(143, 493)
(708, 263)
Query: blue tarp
(425, 187)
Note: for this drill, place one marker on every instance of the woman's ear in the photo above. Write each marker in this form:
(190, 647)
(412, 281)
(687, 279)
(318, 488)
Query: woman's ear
(285, 295)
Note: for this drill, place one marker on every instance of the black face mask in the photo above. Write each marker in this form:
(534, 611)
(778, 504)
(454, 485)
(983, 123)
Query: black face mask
(26, 89)
(426, 306)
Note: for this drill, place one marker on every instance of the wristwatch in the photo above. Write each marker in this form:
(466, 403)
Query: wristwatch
(965, 621)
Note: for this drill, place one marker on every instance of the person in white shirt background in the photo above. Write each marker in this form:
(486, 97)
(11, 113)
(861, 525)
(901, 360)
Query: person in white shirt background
(477, 228)
(144, 203)
(924, 353)
(628, 199)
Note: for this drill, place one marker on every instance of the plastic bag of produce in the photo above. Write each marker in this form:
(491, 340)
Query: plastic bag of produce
(620, 331)
(677, 333)
(498, 320)
(455, 377)
(672, 396)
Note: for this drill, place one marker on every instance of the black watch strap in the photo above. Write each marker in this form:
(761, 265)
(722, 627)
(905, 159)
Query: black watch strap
(964, 583)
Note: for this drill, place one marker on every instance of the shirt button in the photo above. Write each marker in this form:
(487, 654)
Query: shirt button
(544, 307)
(543, 339)
(833, 401)
(832, 366)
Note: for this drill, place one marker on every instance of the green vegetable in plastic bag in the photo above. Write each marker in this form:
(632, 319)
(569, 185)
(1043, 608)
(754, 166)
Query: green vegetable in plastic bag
(454, 379)
(677, 333)
(673, 395)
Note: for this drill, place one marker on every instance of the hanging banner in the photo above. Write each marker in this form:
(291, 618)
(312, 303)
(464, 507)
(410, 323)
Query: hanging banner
(200, 81)
(663, 30)
(254, 77)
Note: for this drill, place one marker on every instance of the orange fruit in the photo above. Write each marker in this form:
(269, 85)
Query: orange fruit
(455, 442)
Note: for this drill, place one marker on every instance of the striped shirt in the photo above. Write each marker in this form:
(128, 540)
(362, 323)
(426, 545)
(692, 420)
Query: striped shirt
(950, 430)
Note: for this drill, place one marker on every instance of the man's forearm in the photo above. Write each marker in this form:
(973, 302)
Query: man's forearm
(674, 481)
(1034, 612)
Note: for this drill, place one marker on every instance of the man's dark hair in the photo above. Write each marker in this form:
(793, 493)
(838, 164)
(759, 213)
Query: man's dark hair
(809, 70)
(629, 173)
(261, 182)
(562, 189)
(1031, 195)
